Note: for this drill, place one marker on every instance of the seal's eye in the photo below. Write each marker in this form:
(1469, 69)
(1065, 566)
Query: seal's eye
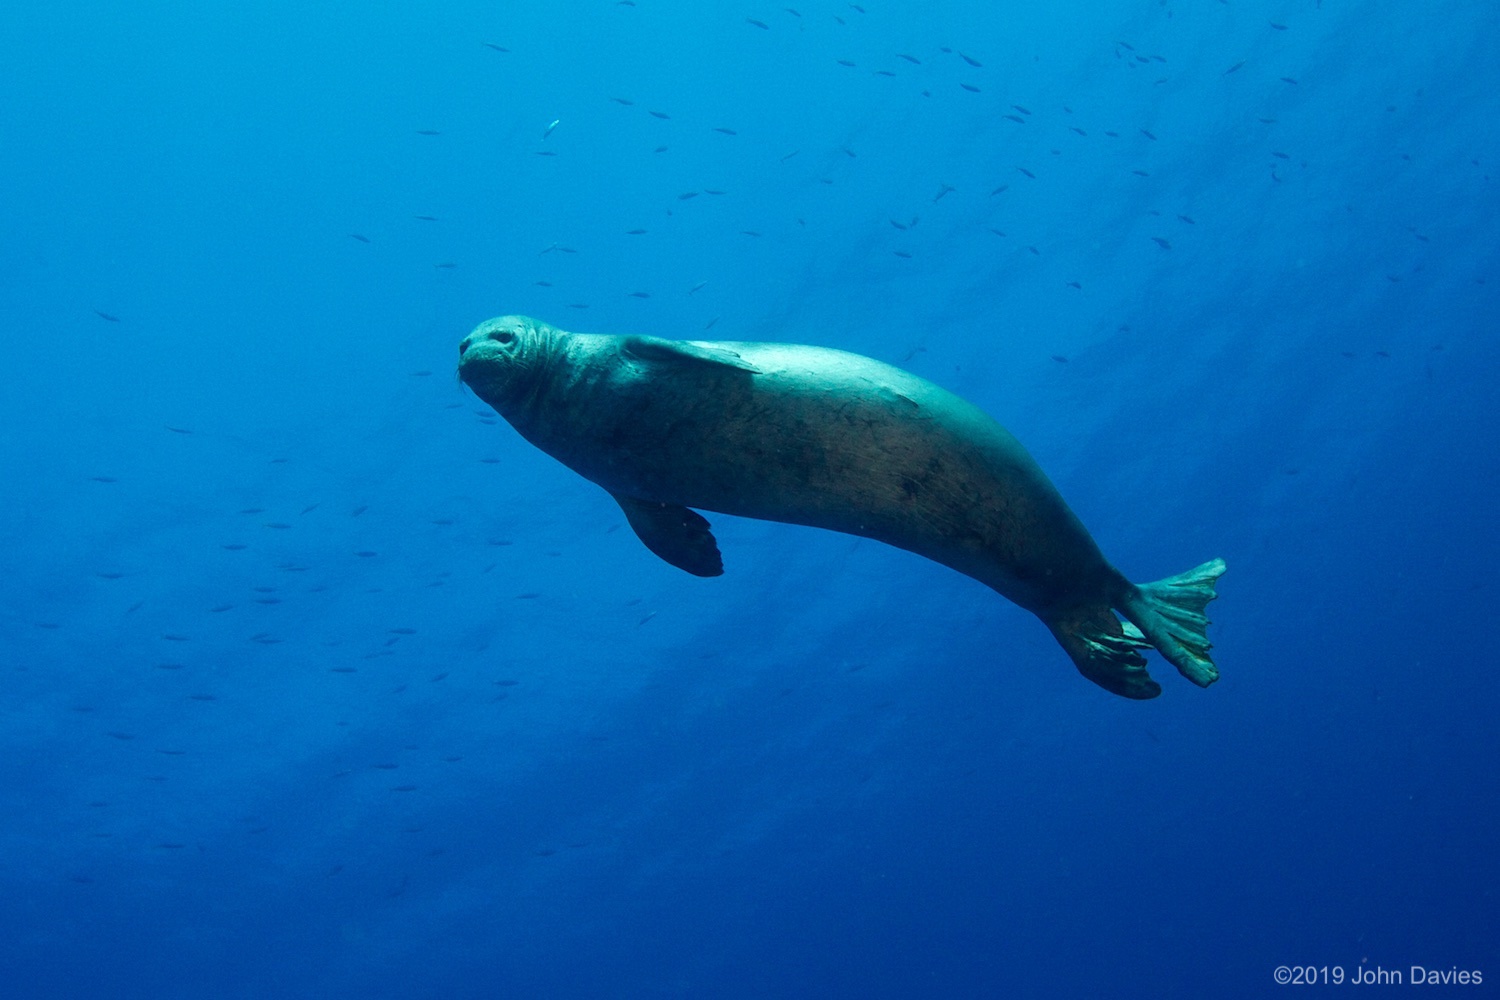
(504, 336)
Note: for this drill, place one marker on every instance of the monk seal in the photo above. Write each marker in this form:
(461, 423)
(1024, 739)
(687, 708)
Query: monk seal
(815, 436)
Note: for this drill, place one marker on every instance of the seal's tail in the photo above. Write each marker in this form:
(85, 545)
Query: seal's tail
(1172, 615)
(1167, 615)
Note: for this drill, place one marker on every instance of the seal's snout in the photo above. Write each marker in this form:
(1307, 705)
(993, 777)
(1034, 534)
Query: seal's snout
(499, 335)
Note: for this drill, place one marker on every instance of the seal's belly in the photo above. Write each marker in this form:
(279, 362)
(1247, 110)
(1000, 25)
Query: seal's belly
(857, 447)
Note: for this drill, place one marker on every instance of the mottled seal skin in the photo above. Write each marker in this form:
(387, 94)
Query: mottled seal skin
(815, 436)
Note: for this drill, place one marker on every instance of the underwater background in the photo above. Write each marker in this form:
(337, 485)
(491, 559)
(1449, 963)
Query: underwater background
(319, 681)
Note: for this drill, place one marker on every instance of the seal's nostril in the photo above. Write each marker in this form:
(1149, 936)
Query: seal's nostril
(463, 345)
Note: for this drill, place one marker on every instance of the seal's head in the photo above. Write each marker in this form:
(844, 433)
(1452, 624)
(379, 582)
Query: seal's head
(504, 357)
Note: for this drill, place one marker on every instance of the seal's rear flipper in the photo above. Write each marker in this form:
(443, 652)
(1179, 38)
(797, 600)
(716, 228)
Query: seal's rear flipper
(1104, 650)
(677, 534)
(1172, 614)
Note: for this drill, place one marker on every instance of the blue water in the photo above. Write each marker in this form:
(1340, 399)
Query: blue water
(320, 682)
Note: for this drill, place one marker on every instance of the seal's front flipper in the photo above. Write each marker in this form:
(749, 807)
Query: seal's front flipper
(1172, 614)
(677, 534)
(685, 352)
(1104, 650)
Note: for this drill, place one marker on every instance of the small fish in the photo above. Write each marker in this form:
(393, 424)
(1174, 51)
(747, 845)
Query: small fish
(426, 218)
(845, 62)
(635, 232)
(1028, 173)
(1188, 220)
(659, 114)
(942, 190)
(884, 72)
(902, 254)
(640, 295)
(1162, 242)
(1074, 284)
(1235, 68)
(428, 131)
(686, 195)
(108, 317)
(696, 287)
(970, 88)
(623, 100)
(1023, 111)
(492, 45)
(1015, 118)
(555, 122)
(1148, 135)
(758, 24)
(726, 131)
(911, 59)
(1000, 190)
(1075, 128)
(1278, 27)
(971, 60)
(1287, 79)
(362, 239)
(1060, 359)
